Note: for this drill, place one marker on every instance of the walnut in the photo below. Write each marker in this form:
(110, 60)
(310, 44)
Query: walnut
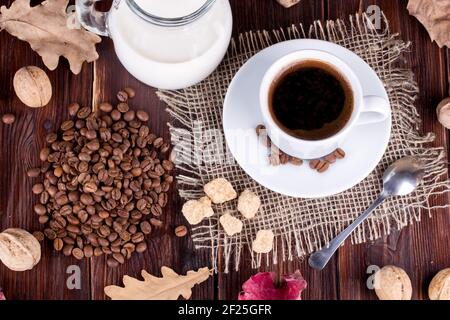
(392, 283)
(196, 210)
(439, 288)
(248, 204)
(19, 250)
(263, 242)
(288, 3)
(443, 112)
(220, 190)
(230, 224)
(32, 86)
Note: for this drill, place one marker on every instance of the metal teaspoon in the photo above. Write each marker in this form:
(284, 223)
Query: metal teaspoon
(401, 178)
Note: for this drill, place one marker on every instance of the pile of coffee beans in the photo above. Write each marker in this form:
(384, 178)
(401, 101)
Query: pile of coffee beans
(278, 157)
(105, 182)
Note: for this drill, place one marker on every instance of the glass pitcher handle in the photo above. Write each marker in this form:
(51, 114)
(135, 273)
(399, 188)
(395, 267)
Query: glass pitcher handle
(91, 19)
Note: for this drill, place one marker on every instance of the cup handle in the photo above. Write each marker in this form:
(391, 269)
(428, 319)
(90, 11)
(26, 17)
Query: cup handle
(91, 19)
(375, 109)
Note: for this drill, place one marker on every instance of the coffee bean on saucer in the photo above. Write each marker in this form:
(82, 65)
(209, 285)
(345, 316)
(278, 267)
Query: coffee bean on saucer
(295, 161)
(322, 166)
(331, 158)
(259, 129)
(339, 153)
(284, 158)
(313, 164)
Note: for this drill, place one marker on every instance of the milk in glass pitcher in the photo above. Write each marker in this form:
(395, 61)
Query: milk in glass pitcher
(168, 44)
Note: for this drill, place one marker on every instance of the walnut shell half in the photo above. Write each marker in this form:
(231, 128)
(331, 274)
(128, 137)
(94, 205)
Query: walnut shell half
(392, 283)
(443, 112)
(32, 86)
(19, 250)
(439, 288)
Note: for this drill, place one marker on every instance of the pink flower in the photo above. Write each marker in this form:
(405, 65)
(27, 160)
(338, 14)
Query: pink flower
(2, 296)
(261, 286)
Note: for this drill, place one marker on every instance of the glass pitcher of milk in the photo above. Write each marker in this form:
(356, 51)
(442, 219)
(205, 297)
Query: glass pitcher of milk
(168, 44)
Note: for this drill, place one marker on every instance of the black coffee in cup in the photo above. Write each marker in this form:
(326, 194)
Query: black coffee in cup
(311, 100)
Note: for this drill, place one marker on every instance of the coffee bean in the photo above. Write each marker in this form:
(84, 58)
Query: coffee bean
(284, 158)
(339, 153)
(130, 92)
(8, 118)
(322, 166)
(122, 96)
(180, 231)
(50, 234)
(129, 115)
(38, 188)
(112, 263)
(40, 209)
(141, 247)
(295, 161)
(73, 108)
(77, 253)
(44, 198)
(142, 115)
(88, 251)
(146, 227)
(38, 235)
(123, 107)
(119, 257)
(58, 244)
(43, 155)
(67, 250)
(259, 129)
(66, 125)
(105, 107)
(314, 164)
(167, 165)
(83, 113)
(98, 252)
(33, 172)
(43, 219)
(156, 222)
(331, 158)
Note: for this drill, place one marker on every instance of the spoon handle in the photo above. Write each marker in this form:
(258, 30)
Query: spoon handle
(319, 259)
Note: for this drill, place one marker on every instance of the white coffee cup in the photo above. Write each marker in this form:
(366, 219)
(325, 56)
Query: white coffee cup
(366, 109)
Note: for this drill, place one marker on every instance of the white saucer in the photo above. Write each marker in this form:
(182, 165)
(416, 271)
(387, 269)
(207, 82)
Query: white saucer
(364, 146)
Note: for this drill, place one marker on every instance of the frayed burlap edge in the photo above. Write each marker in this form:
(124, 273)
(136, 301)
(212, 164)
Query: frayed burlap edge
(300, 225)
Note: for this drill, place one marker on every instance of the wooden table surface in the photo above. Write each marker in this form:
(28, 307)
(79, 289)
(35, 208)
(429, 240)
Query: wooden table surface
(421, 249)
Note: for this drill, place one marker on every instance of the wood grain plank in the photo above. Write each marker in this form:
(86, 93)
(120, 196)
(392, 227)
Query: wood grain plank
(20, 144)
(421, 249)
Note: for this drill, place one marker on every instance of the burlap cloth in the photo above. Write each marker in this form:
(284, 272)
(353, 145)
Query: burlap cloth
(301, 226)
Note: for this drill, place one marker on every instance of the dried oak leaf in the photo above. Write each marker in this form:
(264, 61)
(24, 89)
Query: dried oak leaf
(262, 286)
(45, 28)
(435, 17)
(169, 287)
